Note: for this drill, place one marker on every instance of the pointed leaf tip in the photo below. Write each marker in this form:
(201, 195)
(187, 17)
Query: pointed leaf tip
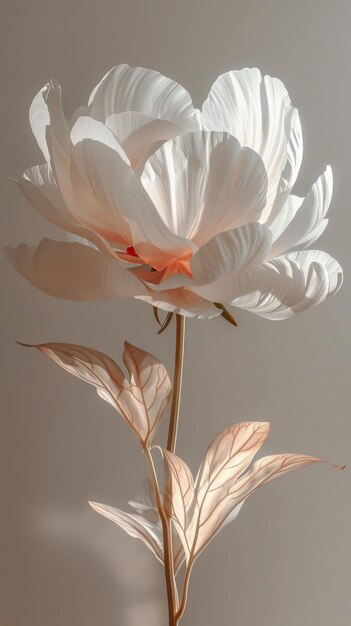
(166, 323)
(225, 314)
(141, 400)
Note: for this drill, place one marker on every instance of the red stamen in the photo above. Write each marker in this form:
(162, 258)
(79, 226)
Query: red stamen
(131, 251)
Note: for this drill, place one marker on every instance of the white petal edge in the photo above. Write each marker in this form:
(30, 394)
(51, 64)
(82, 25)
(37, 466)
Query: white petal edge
(236, 250)
(100, 175)
(281, 287)
(182, 301)
(302, 220)
(39, 187)
(140, 134)
(205, 183)
(257, 111)
(126, 88)
(72, 271)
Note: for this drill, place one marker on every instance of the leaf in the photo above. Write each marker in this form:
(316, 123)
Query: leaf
(179, 496)
(157, 315)
(270, 467)
(145, 524)
(228, 456)
(166, 323)
(225, 313)
(150, 387)
(232, 496)
(144, 501)
(141, 401)
(224, 482)
(135, 525)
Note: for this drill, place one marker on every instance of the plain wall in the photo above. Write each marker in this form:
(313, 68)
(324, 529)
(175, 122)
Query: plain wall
(286, 560)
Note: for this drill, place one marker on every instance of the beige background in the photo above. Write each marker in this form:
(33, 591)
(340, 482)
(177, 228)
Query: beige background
(287, 559)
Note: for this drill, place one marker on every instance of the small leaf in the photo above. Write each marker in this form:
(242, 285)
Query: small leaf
(228, 456)
(145, 524)
(141, 401)
(166, 323)
(144, 501)
(135, 525)
(157, 315)
(225, 313)
(179, 496)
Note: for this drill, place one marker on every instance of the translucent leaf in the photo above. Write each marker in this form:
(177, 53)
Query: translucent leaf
(141, 400)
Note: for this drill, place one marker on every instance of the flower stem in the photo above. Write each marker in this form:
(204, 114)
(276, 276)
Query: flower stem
(172, 594)
(177, 383)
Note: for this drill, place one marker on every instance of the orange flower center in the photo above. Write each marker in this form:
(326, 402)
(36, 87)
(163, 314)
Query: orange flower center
(175, 266)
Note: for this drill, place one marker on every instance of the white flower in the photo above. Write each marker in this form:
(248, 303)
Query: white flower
(178, 207)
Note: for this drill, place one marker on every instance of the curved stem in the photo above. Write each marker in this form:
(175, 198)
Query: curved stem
(177, 383)
(172, 594)
(184, 596)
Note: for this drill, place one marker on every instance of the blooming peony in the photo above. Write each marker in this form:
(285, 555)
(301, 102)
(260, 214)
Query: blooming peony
(175, 206)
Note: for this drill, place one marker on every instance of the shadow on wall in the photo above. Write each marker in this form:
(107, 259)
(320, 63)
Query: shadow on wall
(94, 574)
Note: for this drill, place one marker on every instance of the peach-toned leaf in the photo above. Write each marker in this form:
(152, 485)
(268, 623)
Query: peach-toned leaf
(141, 400)
(136, 526)
(179, 496)
(270, 467)
(228, 456)
(232, 496)
(150, 387)
(144, 523)
(144, 504)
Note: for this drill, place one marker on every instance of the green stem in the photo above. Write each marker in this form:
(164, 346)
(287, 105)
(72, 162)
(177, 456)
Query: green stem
(177, 384)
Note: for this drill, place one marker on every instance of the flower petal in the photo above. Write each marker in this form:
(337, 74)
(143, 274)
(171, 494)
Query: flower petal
(239, 249)
(291, 169)
(100, 175)
(257, 111)
(73, 271)
(39, 187)
(301, 221)
(140, 134)
(280, 287)
(126, 88)
(112, 199)
(46, 119)
(50, 128)
(204, 183)
(181, 301)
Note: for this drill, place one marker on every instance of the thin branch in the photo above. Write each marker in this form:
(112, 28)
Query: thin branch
(184, 596)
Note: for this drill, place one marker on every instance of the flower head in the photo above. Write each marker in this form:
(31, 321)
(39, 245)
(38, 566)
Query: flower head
(175, 206)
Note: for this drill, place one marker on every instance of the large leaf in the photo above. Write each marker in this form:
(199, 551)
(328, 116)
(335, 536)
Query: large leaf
(141, 400)
(224, 482)
(214, 515)
(228, 456)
